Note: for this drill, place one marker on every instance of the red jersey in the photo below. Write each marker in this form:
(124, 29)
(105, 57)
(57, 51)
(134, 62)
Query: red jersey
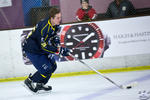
(89, 13)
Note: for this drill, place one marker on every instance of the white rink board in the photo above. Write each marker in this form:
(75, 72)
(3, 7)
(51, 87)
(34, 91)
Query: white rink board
(12, 64)
(129, 36)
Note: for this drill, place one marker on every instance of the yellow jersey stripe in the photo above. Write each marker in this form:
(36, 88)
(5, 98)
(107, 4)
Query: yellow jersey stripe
(43, 75)
(51, 25)
(43, 29)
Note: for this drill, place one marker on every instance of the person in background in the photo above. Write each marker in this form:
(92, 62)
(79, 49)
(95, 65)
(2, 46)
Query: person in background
(40, 46)
(86, 12)
(120, 8)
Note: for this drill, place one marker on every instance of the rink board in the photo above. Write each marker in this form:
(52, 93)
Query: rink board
(12, 65)
(139, 68)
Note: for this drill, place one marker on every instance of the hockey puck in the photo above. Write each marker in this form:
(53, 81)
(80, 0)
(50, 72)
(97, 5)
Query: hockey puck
(129, 87)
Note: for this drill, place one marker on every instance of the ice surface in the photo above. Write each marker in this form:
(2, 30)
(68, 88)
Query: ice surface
(85, 87)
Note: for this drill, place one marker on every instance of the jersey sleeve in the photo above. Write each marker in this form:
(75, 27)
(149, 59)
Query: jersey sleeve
(132, 9)
(92, 13)
(108, 12)
(48, 47)
(45, 40)
(79, 14)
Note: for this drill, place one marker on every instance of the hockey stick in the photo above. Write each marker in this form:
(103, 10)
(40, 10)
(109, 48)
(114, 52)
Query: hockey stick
(119, 86)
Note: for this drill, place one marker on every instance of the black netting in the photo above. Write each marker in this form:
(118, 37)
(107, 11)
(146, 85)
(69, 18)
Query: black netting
(24, 13)
(35, 10)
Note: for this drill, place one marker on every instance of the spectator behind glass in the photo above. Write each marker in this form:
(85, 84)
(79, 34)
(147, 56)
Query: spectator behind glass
(120, 8)
(86, 12)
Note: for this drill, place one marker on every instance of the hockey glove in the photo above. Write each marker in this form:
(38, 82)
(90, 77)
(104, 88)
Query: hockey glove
(56, 41)
(64, 51)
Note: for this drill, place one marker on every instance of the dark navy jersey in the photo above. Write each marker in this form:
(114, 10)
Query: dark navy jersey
(125, 8)
(39, 40)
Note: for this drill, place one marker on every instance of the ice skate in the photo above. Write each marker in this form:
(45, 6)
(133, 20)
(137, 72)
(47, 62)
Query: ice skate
(42, 89)
(30, 85)
(41, 86)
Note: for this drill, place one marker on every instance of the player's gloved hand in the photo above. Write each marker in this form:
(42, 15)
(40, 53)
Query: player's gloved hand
(58, 29)
(64, 51)
(56, 41)
(107, 44)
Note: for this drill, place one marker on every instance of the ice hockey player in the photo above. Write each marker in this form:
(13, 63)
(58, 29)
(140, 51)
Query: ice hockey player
(40, 47)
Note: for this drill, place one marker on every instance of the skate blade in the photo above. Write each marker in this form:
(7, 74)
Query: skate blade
(27, 88)
(40, 92)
